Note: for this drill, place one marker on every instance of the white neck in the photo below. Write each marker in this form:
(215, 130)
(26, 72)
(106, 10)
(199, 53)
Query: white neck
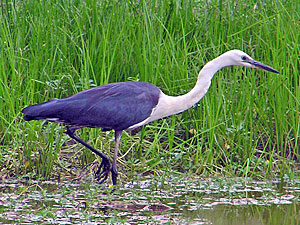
(202, 85)
(169, 105)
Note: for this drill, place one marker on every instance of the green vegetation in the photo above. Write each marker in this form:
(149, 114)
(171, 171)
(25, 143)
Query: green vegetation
(247, 125)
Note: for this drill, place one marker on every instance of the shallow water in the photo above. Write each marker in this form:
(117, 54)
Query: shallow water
(151, 201)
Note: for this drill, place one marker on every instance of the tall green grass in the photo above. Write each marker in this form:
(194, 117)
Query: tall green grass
(247, 124)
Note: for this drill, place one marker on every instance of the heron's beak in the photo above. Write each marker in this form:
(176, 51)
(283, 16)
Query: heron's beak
(261, 66)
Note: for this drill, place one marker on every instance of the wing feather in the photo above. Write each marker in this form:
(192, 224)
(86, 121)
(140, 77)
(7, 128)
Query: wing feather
(113, 106)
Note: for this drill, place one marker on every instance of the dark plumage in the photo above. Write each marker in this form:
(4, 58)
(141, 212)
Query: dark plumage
(128, 102)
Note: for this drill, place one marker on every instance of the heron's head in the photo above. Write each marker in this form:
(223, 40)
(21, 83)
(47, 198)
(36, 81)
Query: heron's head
(240, 58)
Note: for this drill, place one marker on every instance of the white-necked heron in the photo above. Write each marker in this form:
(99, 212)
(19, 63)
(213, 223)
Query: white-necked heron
(128, 105)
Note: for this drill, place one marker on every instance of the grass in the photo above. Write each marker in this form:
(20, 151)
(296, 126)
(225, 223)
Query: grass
(247, 124)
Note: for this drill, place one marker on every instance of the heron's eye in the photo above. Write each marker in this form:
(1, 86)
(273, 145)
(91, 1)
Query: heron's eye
(244, 58)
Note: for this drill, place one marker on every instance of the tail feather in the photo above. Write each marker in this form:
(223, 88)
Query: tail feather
(45, 110)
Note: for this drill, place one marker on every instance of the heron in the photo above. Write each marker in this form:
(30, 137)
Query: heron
(128, 105)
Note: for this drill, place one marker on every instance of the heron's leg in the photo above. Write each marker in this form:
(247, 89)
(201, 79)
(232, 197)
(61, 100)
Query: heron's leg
(105, 164)
(114, 171)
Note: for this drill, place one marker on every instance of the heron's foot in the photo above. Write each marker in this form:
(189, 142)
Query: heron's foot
(103, 170)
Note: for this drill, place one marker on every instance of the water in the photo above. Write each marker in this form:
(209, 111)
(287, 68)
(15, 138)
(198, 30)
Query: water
(151, 201)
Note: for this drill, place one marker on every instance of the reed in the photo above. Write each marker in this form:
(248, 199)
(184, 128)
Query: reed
(247, 124)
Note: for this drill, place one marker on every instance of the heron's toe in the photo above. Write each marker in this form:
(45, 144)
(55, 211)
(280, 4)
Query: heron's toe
(103, 171)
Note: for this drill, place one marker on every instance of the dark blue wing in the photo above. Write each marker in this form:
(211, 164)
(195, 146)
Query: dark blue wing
(113, 106)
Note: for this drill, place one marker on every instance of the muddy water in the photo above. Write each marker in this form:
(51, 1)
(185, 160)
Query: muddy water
(151, 201)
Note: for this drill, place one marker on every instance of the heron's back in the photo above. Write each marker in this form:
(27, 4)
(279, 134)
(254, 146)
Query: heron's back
(113, 106)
